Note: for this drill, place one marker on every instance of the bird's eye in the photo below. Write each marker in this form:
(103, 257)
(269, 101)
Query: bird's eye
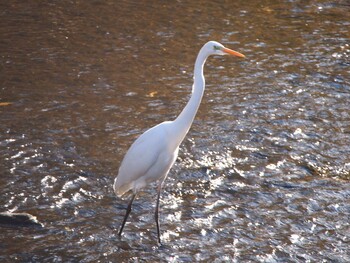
(216, 48)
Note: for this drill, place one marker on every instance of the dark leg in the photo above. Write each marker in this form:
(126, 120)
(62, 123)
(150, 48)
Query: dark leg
(156, 215)
(128, 210)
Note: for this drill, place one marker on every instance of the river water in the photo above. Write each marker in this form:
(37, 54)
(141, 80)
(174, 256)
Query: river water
(264, 173)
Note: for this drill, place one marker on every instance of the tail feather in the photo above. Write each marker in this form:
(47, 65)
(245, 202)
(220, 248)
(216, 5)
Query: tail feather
(120, 190)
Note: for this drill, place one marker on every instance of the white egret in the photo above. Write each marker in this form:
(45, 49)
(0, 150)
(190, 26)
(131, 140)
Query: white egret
(151, 156)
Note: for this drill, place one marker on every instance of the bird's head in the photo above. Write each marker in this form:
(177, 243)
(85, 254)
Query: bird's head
(215, 48)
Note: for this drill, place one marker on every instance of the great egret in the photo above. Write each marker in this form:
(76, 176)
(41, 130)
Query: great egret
(152, 155)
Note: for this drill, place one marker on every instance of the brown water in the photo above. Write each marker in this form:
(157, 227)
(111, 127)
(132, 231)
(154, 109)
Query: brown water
(263, 175)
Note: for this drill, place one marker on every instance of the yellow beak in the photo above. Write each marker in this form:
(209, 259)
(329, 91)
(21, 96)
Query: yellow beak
(233, 53)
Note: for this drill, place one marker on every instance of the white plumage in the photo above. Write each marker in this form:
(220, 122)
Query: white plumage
(152, 155)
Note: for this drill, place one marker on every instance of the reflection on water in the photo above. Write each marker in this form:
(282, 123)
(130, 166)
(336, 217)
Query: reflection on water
(263, 174)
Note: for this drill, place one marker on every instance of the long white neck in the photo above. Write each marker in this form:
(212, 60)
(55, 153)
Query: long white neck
(183, 122)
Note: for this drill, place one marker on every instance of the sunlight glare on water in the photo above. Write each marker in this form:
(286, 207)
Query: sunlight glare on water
(263, 175)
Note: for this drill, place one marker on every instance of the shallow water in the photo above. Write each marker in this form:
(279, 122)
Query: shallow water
(263, 175)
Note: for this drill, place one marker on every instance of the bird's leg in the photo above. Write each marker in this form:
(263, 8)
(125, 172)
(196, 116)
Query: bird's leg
(128, 210)
(156, 215)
